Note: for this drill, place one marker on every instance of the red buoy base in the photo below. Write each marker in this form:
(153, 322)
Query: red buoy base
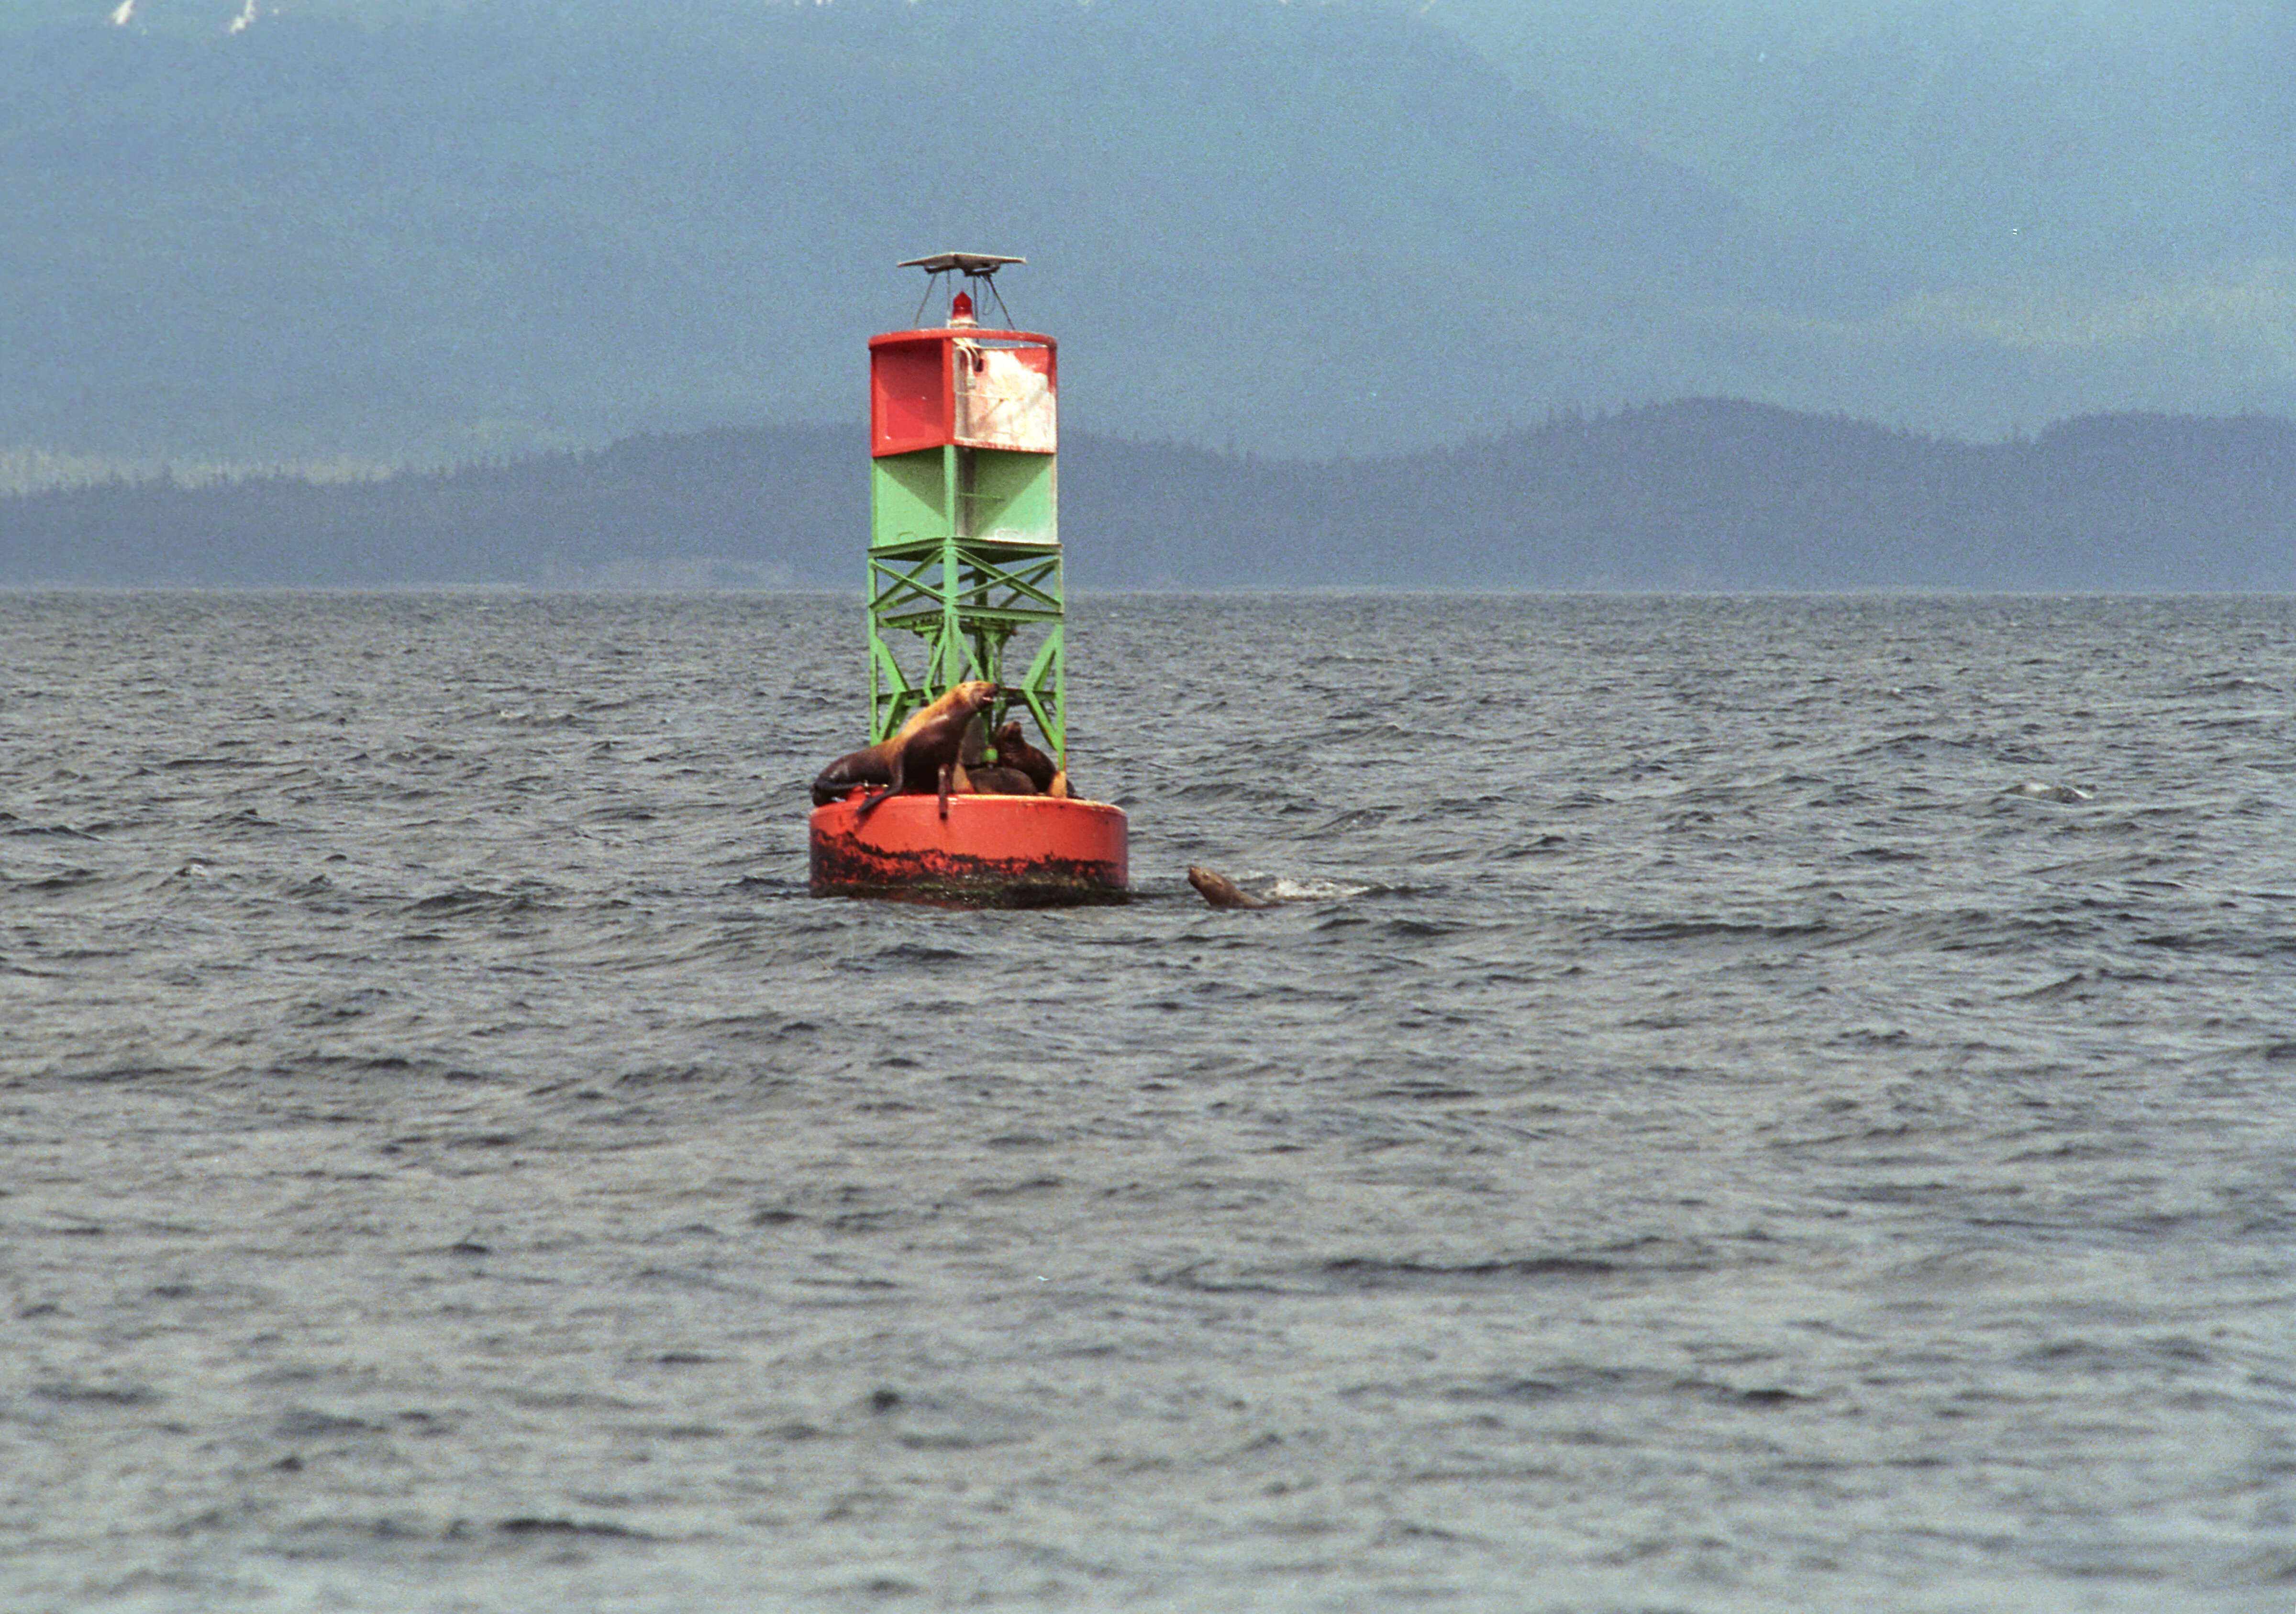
(991, 851)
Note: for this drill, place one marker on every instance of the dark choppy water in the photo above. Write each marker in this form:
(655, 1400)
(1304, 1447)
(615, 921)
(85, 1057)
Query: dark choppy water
(1712, 1142)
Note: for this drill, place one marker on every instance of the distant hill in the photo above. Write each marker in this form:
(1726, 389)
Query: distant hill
(1704, 494)
(429, 231)
(418, 231)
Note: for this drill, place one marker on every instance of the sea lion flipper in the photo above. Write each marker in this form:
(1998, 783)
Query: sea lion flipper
(894, 777)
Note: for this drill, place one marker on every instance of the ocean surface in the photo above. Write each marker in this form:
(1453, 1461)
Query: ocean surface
(1758, 1104)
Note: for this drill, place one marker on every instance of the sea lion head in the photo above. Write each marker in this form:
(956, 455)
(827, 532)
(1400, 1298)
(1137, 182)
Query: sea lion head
(1217, 890)
(1220, 891)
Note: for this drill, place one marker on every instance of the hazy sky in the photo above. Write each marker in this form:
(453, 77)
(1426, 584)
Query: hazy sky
(2005, 211)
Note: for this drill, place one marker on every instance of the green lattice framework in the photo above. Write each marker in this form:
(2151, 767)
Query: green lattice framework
(965, 570)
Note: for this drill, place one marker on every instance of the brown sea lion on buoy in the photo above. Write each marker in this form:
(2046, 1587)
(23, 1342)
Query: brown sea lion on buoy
(874, 764)
(931, 749)
(870, 765)
(995, 779)
(1222, 892)
(1014, 750)
(987, 778)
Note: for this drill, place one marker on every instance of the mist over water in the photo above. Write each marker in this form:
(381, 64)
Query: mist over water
(1759, 1102)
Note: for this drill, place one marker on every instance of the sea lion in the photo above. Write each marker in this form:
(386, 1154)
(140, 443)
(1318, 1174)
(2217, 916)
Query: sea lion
(1222, 892)
(874, 764)
(995, 779)
(932, 750)
(870, 765)
(1014, 750)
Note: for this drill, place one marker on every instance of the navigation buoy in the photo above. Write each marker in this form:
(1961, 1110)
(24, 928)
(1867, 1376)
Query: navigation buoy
(964, 581)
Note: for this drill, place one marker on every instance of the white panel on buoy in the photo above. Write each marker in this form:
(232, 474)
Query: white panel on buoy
(1004, 398)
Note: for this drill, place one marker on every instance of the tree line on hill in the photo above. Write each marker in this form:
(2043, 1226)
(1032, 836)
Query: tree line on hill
(1700, 495)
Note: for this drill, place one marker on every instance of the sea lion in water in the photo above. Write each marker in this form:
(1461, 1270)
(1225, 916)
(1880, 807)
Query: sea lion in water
(932, 750)
(874, 764)
(1222, 892)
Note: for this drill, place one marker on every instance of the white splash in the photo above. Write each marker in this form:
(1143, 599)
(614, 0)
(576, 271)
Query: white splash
(2045, 790)
(239, 23)
(123, 13)
(1288, 890)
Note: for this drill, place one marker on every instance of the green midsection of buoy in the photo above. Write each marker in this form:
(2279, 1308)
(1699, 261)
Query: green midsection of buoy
(965, 582)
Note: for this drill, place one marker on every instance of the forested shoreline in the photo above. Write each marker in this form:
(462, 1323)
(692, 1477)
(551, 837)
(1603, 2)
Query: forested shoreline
(1703, 493)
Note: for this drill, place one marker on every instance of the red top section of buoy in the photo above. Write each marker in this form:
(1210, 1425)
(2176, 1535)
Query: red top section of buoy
(974, 387)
